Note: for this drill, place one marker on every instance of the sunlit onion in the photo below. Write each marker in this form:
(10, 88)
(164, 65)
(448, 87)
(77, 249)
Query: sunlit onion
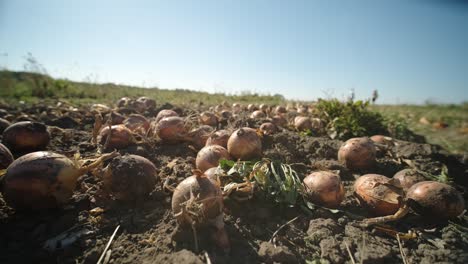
(245, 144)
(171, 129)
(121, 137)
(208, 118)
(210, 156)
(324, 188)
(219, 137)
(165, 113)
(357, 153)
(26, 136)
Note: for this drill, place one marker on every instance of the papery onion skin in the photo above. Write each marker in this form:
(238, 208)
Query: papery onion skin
(26, 136)
(130, 177)
(375, 193)
(436, 200)
(357, 153)
(245, 144)
(40, 180)
(324, 188)
(124, 101)
(209, 157)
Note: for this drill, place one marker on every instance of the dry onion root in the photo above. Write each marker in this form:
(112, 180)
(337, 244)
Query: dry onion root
(129, 177)
(324, 188)
(209, 157)
(357, 153)
(26, 136)
(196, 202)
(42, 180)
(245, 144)
(6, 158)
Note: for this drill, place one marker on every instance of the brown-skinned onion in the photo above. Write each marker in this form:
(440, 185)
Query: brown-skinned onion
(409, 177)
(324, 188)
(172, 129)
(357, 153)
(245, 144)
(209, 157)
(6, 158)
(208, 118)
(121, 137)
(26, 136)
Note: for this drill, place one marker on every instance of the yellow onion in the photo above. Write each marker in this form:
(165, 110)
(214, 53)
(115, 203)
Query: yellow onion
(171, 129)
(129, 177)
(268, 128)
(137, 123)
(245, 144)
(219, 137)
(408, 177)
(357, 153)
(42, 180)
(210, 156)
(6, 158)
(121, 137)
(279, 121)
(208, 118)
(302, 123)
(257, 114)
(197, 201)
(378, 194)
(324, 188)
(436, 200)
(200, 135)
(165, 113)
(26, 136)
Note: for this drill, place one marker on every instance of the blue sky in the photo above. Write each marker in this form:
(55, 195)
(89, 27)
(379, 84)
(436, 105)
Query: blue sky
(410, 51)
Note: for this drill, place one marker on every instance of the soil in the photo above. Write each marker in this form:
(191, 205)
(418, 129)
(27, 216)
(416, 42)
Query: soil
(148, 232)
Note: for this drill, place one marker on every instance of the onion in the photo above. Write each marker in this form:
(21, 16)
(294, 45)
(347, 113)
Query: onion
(147, 102)
(129, 177)
(268, 128)
(197, 202)
(219, 137)
(208, 118)
(378, 194)
(252, 107)
(257, 114)
(213, 174)
(121, 137)
(245, 144)
(408, 177)
(264, 107)
(165, 113)
(4, 124)
(42, 180)
(199, 136)
(101, 108)
(357, 153)
(116, 118)
(302, 123)
(384, 140)
(137, 123)
(124, 101)
(436, 200)
(280, 110)
(225, 114)
(236, 108)
(324, 188)
(279, 120)
(210, 156)
(6, 158)
(26, 136)
(171, 129)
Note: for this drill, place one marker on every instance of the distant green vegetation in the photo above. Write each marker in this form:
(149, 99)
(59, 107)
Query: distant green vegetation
(31, 87)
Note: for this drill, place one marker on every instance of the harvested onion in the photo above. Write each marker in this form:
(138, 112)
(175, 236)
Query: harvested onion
(6, 158)
(199, 136)
(26, 136)
(408, 177)
(219, 137)
(435, 199)
(384, 140)
(302, 123)
(121, 137)
(357, 153)
(165, 113)
(245, 144)
(171, 129)
(378, 194)
(129, 177)
(196, 202)
(268, 128)
(257, 114)
(209, 157)
(324, 188)
(208, 118)
(43, 179)
(137, 123)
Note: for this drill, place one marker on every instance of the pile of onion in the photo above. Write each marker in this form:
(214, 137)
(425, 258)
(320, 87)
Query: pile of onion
(245, 144)
(324, 188)
(26, 136)
(357, 153)
(197, 201)
(147, 102)
(6, 158)
(209, 157)
(129, 177)
(42, 180)
(302, 123)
